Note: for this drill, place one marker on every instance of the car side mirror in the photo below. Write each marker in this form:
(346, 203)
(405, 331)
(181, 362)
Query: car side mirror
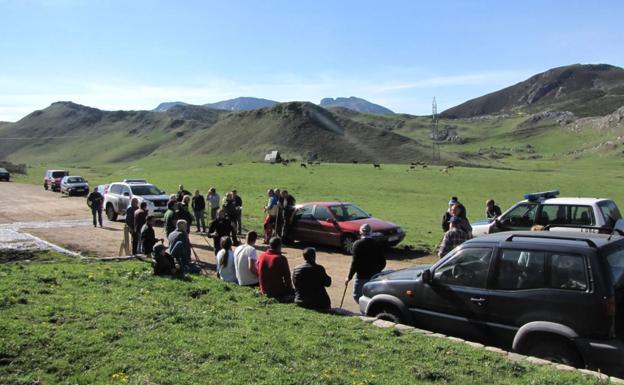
(126, 194)
(330, 220)
(163, 192)
(427, 276)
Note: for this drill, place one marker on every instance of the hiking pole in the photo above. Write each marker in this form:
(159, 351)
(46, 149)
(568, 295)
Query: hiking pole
(344, 293)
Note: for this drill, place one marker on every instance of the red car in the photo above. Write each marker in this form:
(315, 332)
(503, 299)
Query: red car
(52, 179)
(338, 224)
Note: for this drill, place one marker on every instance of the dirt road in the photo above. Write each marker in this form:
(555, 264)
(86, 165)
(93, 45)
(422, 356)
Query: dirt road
(31, 204)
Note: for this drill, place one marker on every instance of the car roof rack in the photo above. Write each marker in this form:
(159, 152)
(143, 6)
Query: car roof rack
(589, 242)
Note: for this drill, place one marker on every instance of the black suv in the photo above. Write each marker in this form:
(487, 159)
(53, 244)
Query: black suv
(558, 297)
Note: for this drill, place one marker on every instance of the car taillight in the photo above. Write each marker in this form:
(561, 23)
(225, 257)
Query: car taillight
(610, 307)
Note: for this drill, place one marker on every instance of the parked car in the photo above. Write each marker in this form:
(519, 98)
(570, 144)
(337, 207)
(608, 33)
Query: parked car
(338, 224)
(119, 194)
(555, 295)
(575, 214)
(4, 174)
(52, 179)
(77, 185)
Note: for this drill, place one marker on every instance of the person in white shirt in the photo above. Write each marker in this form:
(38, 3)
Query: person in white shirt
(225, 261)
(245, 258)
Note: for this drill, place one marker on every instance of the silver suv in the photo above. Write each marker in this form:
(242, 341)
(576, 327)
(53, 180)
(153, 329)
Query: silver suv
(119, 194)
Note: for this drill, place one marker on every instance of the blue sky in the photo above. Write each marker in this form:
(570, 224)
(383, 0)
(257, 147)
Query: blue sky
(135, 54)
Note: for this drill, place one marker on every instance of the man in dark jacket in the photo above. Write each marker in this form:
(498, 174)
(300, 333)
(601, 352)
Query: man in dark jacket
(182, 192)
(140, 216)
(288, 203)
(94, 201)
(368, 260)
(310, 281)
(170, 218)
(220, 227)
(199, 208)
(229, 206)
(148, 237)
(184, 213)
(134, 205)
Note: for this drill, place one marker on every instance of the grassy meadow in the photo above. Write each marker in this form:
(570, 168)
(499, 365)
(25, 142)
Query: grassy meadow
(412, 198)
(66, 321)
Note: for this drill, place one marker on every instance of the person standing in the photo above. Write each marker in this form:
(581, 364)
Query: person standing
(454, 237)
(310, 280)
(199, 208)
(213, 200)
(95, 201)
(448, 214)
(245, 258)
(182, 192)
(226, 268)
(169, 218)
(134, 205)
(288, 203)
(229, 206)
(184, 213)
(368, 259)
(148, 237)
(274, 273)
(140, 216)
(491, 210)
(271, 212)
(238, 203)
(220, 227)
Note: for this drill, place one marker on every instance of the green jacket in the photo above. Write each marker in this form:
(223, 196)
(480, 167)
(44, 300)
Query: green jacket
(170, 220)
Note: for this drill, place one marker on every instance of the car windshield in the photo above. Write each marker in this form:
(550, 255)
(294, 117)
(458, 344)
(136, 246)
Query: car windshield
(3, 170)
(610, 212)
(75, 179)
(59, 174)
(348, 213)
(145, 190)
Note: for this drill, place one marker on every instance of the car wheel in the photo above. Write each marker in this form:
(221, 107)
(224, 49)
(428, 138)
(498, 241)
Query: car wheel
(556, 350)
(347, 243)
(110, 213)
(390, 314)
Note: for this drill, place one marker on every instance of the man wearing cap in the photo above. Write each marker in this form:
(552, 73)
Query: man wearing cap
(310, 281)
(454, 237)
(368, 260)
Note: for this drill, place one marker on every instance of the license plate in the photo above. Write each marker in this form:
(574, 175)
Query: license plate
(393, 238)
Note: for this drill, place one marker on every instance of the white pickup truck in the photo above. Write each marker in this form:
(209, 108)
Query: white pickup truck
(569, 214)
(118, 196)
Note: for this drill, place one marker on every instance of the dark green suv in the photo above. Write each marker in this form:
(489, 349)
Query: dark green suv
(555, 295)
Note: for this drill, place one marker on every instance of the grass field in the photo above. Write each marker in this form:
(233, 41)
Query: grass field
(64, 321)
(414, 199)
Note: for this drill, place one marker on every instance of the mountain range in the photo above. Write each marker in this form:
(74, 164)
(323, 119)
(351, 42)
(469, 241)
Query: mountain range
(249, 103)
(573, 110)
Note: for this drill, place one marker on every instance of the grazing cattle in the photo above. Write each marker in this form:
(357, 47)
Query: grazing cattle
(219, 164)
(413, 167)
(354, 161)
(376, 165)
(303, 165)
(424, 165)
(450, 166)
(444, 170)
(285, 163)
(414, 163)
(318, 163)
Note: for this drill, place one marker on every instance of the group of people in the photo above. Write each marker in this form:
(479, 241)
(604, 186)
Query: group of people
(280, 211)
(456, 225)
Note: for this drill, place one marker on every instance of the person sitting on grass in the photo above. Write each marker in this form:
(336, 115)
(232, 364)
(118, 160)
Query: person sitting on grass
(148, 237)
(162, 262)
(310, 280)
(454, 237)
(274, 273)
(180, 248)
(226, 268)
(245, 258)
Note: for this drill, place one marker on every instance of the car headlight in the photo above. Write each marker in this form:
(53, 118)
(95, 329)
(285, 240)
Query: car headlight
(400, 230)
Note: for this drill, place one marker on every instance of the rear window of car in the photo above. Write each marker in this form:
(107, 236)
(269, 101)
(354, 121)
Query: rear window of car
(610, 212)
(58, 174)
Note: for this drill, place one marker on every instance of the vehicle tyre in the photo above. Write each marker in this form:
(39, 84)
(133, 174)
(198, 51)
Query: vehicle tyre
(347, 243)
(556, 350)
(110, 213)
(390, 314)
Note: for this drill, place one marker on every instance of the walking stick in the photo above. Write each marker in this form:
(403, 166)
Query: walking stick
(343, 294)
(194, 253)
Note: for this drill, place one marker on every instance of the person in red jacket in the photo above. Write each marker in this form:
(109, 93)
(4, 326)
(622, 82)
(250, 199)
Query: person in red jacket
(274, 273)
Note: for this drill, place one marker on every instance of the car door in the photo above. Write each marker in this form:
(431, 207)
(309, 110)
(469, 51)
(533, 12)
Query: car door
(326, 229)
(452, 303)
(124, 199)
(521, 217)
(303, 223)
(532, 284)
